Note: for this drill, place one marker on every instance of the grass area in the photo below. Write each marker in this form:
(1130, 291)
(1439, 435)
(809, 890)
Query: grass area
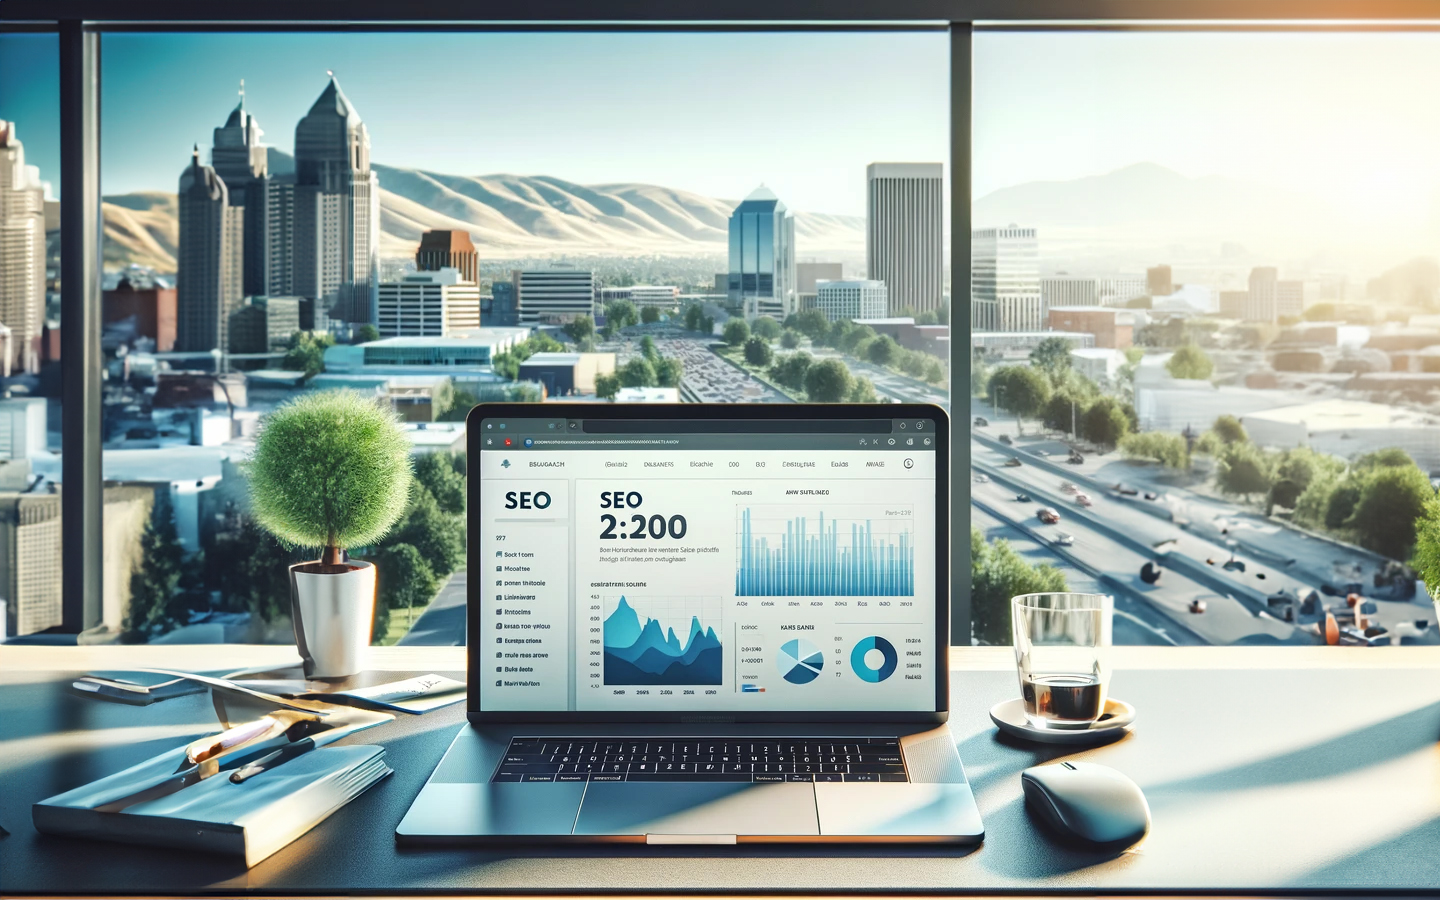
(736, 357)
(401, 621)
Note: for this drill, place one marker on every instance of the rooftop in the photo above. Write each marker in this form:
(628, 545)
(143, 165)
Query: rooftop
(552, 359)
(1344, 415)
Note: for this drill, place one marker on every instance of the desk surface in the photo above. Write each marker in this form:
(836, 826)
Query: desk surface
(1267, 769)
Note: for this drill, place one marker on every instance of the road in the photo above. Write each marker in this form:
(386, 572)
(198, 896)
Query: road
(442, 624)
(887, 383)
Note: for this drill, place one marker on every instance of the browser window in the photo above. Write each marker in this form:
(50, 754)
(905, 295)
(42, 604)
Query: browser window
(664, 565)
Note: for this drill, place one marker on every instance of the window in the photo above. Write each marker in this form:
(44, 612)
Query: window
(440, 219)
(30, 422)
(1205, 303)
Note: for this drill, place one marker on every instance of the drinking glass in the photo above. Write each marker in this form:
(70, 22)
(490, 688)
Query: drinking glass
(1062, 654)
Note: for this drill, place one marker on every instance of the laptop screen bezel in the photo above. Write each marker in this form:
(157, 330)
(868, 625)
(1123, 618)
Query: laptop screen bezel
(720, 413)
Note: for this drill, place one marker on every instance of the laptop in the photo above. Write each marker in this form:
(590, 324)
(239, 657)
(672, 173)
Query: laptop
(704, 624)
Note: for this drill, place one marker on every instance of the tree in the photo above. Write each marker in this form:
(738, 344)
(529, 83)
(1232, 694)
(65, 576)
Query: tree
(1427, 545)
(1166, 449)
(998, 573)
(790, 339)
(790, 370)
(1243, 470)
(1229, 430)
(586, 345)
(1051, 355)
(155, 582)
(607, 386)
(942, 314)
(438, 535)
(694, 317)
(1390, 457)
(757, 351)
(439, 474)
(638, 372)
(1104, 423)
(621, 313)
(766, 327)
(366, 333)
(811, 323)
(649, 315)
(912, 363)
(935, 373)
(1297, 470)
(669, 372)
(928, 317)
(1021, 391)
(863, 391)
(1391, 500)
(736, 332)
(1059, 411)
(647, 348)
(404, 581)
(1320, 312)
(883, 351)
(828, 381)
(1341, 503)
(1190, 362)
(580, 328)
(307, 353)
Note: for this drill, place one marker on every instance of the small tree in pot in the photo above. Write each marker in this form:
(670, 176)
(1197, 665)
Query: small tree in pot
(332, 471)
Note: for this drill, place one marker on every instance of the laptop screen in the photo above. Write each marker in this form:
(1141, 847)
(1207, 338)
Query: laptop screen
(669, 565)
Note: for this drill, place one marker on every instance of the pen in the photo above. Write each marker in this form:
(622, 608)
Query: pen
(271, 760)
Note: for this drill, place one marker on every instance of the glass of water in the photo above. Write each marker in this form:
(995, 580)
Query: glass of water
(1062, 654)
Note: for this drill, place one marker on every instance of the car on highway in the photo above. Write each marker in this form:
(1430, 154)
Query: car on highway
(1075, 458)
(1067, 487)
(1039, 452)
(1198, 605)
(1084, 500)
(1047, 515)
(981, 421)
(982, 478)
(1065, 539)
(1013, 462)
(1005, 439)
(1151, 495)
(1023, 498)
(1125, 490)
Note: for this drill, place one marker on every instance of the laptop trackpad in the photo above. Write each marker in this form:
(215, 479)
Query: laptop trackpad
(698, 808)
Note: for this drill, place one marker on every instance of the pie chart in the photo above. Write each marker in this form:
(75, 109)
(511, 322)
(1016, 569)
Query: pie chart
(878, 668)
(800, 661)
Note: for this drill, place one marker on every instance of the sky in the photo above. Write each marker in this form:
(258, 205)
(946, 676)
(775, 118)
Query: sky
(30, 97)
(711, 113)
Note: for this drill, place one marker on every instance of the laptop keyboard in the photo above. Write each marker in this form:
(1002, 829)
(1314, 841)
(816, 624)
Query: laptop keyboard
(708, 759)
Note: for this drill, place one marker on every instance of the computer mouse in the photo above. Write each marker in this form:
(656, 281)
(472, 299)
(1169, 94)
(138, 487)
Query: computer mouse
(1087, 803)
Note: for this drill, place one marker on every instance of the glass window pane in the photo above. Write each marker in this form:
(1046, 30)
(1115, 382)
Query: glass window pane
(289, 213)
(1204, 294)
(30, 422)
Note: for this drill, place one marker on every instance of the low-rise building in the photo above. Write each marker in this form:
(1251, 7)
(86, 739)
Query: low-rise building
(264, 324)
(1112, 327)
(564, 374)
(139, 311)
(1099, 364)
(659, 296)
(1348, 429)
(414, 398)
(854, 299)
(428, 304)
(1013, 343)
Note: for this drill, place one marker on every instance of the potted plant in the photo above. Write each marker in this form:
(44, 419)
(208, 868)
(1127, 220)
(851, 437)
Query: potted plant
(331, 471)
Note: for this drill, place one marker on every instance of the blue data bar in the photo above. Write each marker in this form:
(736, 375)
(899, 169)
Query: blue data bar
(815, 564)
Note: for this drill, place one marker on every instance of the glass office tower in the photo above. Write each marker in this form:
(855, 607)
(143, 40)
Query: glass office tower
(762, 256)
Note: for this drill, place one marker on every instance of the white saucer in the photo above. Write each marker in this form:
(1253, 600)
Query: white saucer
(1009, 717)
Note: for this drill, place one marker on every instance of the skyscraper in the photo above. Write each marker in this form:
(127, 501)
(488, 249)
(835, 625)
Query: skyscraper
(209, 262)
(1260, 304)
(448, 250)
(242, 163)
(1005, 279)
(336, 210)
(904, 225)
(22, 252)
(762, 256)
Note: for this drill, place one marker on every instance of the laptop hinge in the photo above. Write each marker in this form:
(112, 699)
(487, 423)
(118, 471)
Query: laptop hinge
(689, 838)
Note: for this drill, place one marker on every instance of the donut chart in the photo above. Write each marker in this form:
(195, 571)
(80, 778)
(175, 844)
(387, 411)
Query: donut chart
(887, 665)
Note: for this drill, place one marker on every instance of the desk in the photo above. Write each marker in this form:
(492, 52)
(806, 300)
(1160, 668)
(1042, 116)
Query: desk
(1267, 769)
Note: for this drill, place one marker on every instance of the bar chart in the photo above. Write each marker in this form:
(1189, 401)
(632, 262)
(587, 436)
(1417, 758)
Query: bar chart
(848, 552)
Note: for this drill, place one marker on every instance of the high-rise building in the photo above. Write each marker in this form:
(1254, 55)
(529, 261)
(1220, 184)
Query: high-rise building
(807, 274)
(1260, 303)
(852, 299)
(428, 304)
(762, 256)
(1005, 279)
(242, 162)
(1289, 299)
(264, 324)
(1068, 290)
(30, 561)
(22, 253)
(555, 295)
(1159, 282)
(209, 261)
(337, 210)
(904, 240)
(448, 250)
(501, 312)
(142, 312)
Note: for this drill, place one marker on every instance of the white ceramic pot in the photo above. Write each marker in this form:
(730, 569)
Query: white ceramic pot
(334, 613)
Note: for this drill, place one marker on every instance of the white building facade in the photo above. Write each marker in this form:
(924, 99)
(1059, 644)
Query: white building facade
(852, 299)
(554, 296)
(22, 251)
(904, 232)
(1005, 278)
(428, 304)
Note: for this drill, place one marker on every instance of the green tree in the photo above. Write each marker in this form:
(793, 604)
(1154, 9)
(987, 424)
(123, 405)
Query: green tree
(1104, 423)
(647, 348)
(1243, 470)
(1059, 411)
(863, 391)
(638, 372)
(1390, 457)
(757, 351)
(1427, 546)
(580, 328)
(1021, 391)
(1311, 507)
(811, 323)
(155, 582)
(736, 332)
(438, 535)
(765, 327)
(935, 372)
(1297, 470)
(1166, 449)
(851, 339)
(460, 407)
(439, 474)
(998, 573)
(404, 581)
(828, 381)
(790, 370)
(1190, 362)
(1229, 430)
(1320, 312)
(1341, 503)
(883, 351)
(307, 353)
(1052, 356)
(366, 333)
(790, 339)
(649, 315)
(912, 363)
(942, 313)
(250, 569)
(669, 372)
(928, 317)
(1391, 500)
(695, 317)
(621, 313)
(607, 386)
